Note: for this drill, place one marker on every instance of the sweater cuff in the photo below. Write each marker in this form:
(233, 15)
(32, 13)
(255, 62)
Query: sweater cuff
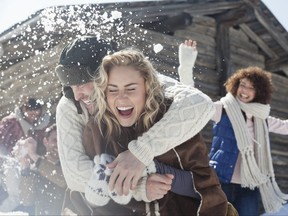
(139, 193)
(141, 151)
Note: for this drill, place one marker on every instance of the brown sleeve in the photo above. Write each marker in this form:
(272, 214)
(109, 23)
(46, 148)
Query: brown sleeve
(92, 139)
(195, 154)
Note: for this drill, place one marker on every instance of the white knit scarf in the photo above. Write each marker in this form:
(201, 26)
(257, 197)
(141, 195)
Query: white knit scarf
(255, 174)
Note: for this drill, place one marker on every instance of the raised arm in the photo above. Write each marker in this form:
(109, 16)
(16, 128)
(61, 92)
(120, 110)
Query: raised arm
(187, 57)
(278, 126)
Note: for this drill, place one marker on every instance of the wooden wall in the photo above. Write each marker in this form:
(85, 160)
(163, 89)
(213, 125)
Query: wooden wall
(244, 53)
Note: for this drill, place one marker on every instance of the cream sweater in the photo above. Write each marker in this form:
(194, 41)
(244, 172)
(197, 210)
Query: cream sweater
(189, 113)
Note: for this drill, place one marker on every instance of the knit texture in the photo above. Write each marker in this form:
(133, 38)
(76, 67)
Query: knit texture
(76, 165)
(186, 117)
(97, 192)
(187, 58)
(139, 193)
(255, 174)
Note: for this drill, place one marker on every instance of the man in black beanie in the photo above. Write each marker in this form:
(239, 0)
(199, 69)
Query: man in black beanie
(78, 64)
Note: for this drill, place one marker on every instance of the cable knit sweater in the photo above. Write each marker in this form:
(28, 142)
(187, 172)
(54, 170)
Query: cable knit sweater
(189, 113)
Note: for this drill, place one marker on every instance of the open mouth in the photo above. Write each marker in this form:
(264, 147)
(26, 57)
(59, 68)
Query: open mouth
(87, 102)
(244, 96)
(125, 111)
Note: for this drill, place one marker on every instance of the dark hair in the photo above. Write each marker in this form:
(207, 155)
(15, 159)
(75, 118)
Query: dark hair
(260, 79)
(31, 103)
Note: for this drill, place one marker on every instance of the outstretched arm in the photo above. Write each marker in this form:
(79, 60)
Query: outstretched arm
(187, 57)
(188, 114)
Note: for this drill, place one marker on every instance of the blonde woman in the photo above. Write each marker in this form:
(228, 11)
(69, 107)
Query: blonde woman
(128, 100)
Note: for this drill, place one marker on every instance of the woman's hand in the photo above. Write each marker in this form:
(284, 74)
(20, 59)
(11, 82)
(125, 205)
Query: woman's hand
(191, 43)
(187, 57)
(158, 185)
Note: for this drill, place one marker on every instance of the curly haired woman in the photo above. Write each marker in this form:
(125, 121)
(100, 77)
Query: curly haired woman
(240, 151)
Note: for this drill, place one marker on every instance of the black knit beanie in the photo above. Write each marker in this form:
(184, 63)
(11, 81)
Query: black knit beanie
(80, 60)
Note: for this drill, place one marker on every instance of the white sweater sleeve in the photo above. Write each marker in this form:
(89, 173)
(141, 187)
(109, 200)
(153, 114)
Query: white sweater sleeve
(76, 165)
(278, 126)
(189, 113)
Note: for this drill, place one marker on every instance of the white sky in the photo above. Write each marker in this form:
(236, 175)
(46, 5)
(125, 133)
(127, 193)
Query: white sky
(13, 11)
(279, 9)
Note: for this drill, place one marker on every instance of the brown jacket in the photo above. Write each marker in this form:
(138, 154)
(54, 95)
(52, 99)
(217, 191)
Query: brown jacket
(193, 156)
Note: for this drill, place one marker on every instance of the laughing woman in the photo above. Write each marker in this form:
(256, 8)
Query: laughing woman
(128, 100)
(240, 151)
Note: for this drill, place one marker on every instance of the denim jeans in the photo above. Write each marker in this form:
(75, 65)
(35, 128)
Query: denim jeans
(245, 200)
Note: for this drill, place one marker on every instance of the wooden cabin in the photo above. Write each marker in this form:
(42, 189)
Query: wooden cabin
(230, 34)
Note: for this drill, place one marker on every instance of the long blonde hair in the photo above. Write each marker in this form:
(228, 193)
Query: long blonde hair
(154, 93)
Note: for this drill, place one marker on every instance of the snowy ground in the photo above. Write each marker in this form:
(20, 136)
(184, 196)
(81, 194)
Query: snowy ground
(283, 212)
(13, 213)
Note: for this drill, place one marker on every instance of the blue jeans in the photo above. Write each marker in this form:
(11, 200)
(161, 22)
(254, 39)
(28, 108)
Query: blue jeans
(245, 200)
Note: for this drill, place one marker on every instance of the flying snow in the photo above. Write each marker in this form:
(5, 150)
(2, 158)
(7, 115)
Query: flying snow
(157, 48)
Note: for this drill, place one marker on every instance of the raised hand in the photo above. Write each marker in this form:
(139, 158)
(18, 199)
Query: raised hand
(187, 57)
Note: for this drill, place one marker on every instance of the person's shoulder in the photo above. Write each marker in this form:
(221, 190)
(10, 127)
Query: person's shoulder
(164, 79)
(66, 111)
(65, 104)
(9, 119)
(64, 101)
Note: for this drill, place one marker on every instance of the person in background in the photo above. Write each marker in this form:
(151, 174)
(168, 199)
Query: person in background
(78, 63)
(28, 119)
(42, 185)
(128, 100)
(241, 153)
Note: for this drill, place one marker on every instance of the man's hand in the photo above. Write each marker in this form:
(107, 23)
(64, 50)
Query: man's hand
(158, 185)
(127, 171)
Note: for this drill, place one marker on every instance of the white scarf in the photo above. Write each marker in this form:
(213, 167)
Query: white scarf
(255, 174)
